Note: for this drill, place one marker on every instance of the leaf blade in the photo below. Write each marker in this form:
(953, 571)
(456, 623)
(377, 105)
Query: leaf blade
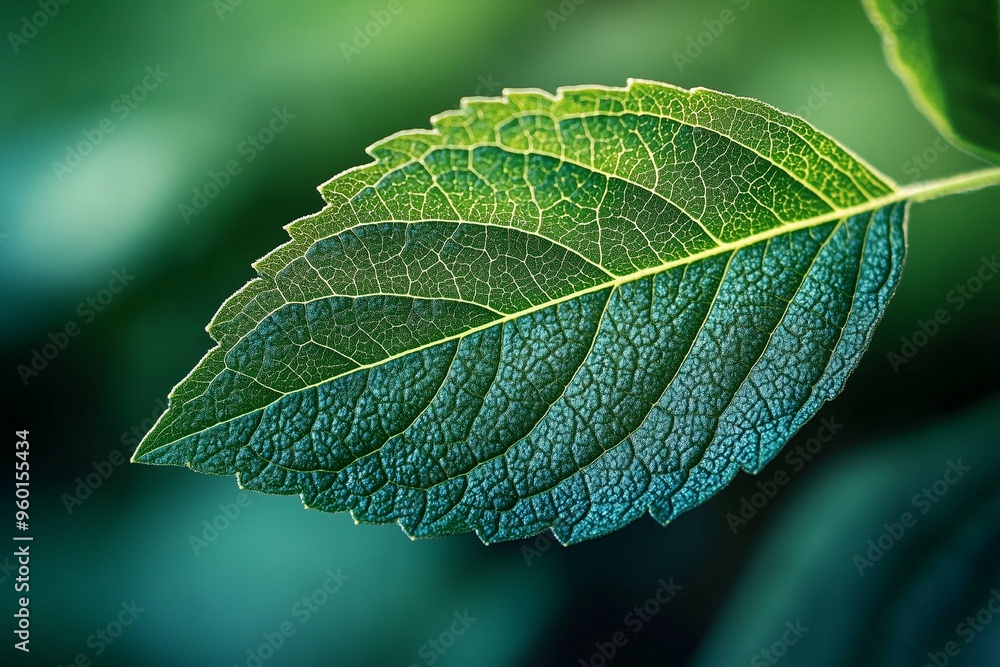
(668, 220)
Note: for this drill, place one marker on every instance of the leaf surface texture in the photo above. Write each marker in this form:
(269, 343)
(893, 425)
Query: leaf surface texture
(547, 312)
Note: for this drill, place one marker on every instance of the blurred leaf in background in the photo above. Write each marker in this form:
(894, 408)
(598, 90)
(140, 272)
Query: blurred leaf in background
(948, 56)
(883, 558)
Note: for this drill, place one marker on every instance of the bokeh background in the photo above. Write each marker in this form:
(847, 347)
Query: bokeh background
(224, 67)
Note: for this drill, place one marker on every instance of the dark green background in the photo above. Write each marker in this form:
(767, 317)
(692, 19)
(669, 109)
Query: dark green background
(130, 539)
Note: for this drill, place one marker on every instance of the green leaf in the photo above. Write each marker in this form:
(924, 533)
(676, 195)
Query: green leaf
(947, 53)
(548, 313)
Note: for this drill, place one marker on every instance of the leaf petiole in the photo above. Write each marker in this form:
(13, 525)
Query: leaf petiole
(953, 185)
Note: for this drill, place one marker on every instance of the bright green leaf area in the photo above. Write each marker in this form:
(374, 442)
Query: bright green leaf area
(947, 52)
(548, 312)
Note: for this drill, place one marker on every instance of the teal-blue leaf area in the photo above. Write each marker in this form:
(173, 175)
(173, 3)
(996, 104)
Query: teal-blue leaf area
(647, 395)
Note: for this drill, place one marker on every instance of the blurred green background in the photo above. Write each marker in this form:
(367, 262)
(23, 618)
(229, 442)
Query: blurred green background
(222, 69)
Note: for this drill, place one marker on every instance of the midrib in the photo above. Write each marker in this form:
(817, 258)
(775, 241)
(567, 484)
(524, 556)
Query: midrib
(839, 214)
